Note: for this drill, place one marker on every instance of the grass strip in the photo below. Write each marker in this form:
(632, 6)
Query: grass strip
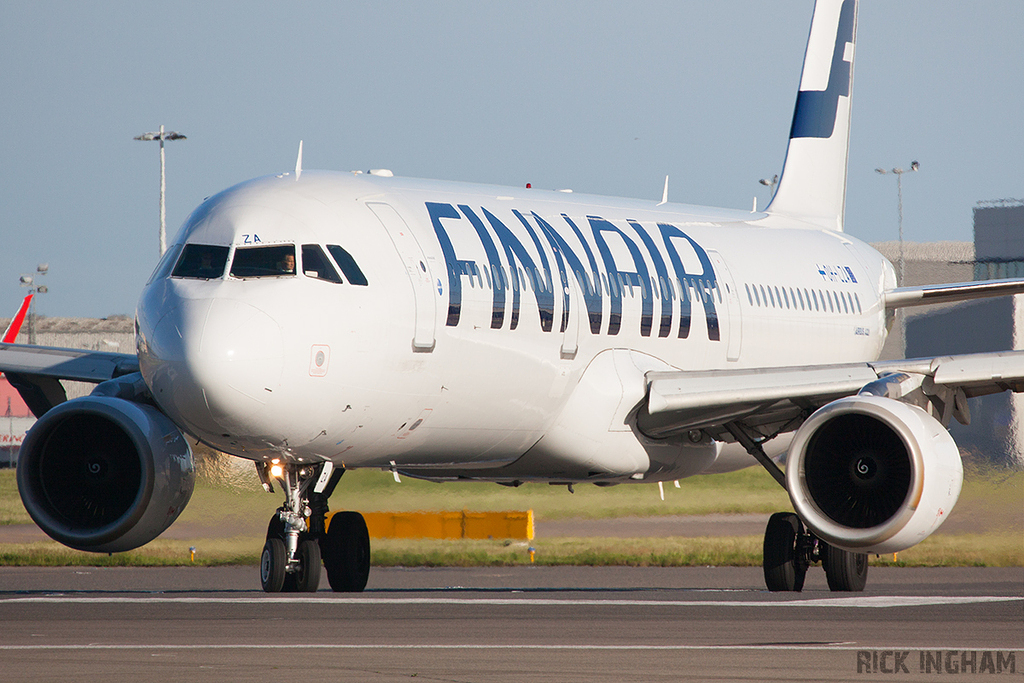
(996, 549)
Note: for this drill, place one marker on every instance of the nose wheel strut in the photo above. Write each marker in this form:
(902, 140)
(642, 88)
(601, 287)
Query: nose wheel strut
(300, 542)
(291, 560)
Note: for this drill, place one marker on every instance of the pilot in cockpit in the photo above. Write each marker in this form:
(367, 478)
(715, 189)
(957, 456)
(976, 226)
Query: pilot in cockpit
(286, 266)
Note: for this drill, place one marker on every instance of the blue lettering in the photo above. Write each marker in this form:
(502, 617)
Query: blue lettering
(592, 291)
(668, 232)
(659, 267)
(515, 251)
(538, 269)
(456, 267)
(622, 278)
(497, 293)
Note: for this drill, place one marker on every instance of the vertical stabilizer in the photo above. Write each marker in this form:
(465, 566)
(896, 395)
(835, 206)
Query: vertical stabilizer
(813, 183)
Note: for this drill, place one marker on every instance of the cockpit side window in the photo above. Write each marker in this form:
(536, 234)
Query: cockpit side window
(167, 261)
(201, 261)
(316, 264)
(347, 264)
(272, 261)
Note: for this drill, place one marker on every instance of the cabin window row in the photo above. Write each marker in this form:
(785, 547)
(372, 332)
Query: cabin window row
(803, 299)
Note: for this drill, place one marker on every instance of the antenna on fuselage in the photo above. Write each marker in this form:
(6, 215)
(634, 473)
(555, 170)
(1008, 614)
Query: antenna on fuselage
(298, 162)
(664, 193)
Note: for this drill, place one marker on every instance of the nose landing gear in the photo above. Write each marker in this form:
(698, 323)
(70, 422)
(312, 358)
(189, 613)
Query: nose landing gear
(299, 540)
(291, 556)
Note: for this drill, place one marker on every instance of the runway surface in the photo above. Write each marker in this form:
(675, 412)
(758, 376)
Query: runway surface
(509, 624)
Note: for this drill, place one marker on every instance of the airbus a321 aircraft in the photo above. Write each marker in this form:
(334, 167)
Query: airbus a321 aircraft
(316, 322)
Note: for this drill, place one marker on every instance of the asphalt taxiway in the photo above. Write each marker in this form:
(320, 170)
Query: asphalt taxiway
(502, 624)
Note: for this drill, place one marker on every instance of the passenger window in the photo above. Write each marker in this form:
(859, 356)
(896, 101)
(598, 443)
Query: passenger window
(201, 261)
(348, 265)
(264, 261)
(316, 265)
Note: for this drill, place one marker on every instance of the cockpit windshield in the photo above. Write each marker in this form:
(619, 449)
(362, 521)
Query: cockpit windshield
(271, 261)
(201, 261)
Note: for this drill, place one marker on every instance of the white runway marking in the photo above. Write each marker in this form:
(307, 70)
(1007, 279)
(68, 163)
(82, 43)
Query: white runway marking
(839, 646)
(878, 601)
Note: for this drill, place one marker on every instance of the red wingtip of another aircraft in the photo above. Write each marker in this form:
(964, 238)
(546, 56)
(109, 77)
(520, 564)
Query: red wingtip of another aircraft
(15, 327)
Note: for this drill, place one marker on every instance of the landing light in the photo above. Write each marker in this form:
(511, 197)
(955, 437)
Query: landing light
(276, 471)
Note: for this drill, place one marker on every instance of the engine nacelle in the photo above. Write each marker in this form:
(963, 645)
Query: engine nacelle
(104, 474)
(873, 475)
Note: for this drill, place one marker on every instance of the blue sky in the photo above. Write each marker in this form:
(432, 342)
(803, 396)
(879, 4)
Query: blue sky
(600, 97)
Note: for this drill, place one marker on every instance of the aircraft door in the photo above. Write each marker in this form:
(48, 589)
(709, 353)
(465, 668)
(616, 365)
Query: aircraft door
(416, 268)
(733, 319)
(571, 335)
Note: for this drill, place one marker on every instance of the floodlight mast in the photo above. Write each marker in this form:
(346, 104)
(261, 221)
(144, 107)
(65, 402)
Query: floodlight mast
(161, 136)
(898, 172)
(36, 288)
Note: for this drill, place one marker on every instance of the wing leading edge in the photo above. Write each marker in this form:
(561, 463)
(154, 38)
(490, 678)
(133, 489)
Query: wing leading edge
(36, 371)
(769, 401)
(950, 293)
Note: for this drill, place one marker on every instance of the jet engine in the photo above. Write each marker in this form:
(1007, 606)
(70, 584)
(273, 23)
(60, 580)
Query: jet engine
(104, 474)
(873, 475)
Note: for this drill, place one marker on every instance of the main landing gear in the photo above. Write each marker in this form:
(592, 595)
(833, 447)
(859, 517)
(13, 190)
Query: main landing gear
(789, 550)
(301, 540)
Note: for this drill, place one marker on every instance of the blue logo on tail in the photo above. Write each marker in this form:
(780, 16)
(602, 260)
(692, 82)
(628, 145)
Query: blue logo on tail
(815, 115)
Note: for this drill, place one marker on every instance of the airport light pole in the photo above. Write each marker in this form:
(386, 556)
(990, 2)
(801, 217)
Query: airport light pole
(35, 288)
(898, 172)
(161, 136)
(770, 184)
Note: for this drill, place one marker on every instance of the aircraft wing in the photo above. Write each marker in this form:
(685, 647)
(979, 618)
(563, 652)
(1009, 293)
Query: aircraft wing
(769, 401)
(36, 371)
(949, 293)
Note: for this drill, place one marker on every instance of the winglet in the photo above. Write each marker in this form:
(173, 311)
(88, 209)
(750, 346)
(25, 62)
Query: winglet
(664, 193)
(15, 327)
(298, 163)
(813, 182)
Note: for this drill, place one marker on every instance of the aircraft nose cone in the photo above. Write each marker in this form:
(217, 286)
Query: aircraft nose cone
(217, 364)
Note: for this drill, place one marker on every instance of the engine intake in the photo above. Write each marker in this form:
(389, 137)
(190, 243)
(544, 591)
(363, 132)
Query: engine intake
(104, 474)
(871, 474)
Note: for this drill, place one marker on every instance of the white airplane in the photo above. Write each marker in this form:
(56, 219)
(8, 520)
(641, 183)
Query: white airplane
(316, 322)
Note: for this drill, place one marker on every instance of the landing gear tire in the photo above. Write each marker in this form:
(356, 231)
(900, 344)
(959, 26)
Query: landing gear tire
(346, 552)
(273, 562)
(307, 578)
(844, 570)
(784, 566)
(276, 530)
